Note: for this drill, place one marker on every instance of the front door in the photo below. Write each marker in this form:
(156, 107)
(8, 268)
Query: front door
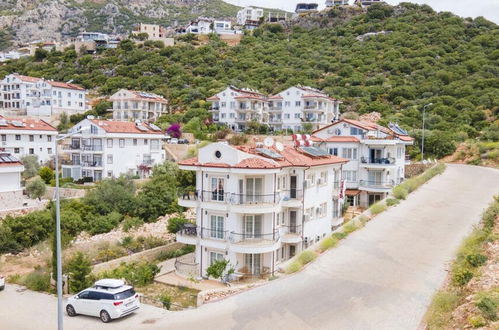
(253, 227)
(376, 155)
(292, 187)
(292, 251)
(292, 221)
(253, 263)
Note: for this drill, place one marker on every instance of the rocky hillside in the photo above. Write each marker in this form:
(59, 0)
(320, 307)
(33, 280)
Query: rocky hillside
(28, 20)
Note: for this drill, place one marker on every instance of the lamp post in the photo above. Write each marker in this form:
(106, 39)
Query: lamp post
(422, 143)
(58, 227)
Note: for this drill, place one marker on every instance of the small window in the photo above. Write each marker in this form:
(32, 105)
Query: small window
(109, 143)
(31, 151)
(49, 138)
(134, 142)
(31, 138)
(122, 143)
(4, 137)
(218, 154)
(49, 151)
(16, 150)
(18, 137)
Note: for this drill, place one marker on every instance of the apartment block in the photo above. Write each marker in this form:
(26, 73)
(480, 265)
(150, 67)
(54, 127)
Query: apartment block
(129, 104)
(24, 136)
(249, 17)
(22, 95)
(376, 157)
(258, 207)
(112, 148)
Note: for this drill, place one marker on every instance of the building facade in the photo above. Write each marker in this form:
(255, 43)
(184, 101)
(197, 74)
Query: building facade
(376, 157)
(129, 104)
(332, 3)
(258, 207)
(154, 32)
(288, 110)
(27, 137)
(367, 3)
(11, 169)
(249, 17)
(112, 148)
(302, 8)
(22, 95)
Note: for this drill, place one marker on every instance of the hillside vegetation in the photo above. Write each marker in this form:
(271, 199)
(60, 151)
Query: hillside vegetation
(428, 57)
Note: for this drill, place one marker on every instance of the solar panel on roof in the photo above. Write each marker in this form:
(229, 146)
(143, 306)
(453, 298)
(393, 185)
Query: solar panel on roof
(269, 153)
(17, 123)
(3, 122)
(397, 129)
(154, 127)
(142, 128)
(314, 151)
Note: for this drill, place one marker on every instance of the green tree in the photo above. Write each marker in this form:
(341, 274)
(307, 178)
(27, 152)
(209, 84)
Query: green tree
(46, 173)
(79, 269)
(36, 188)
(110, 195)
(220, 269)
(175, 224)
(31, 166)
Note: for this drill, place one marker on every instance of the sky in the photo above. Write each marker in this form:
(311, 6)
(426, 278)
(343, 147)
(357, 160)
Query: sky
(466, 8)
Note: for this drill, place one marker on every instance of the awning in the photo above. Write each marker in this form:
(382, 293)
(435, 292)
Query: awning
(352, 192)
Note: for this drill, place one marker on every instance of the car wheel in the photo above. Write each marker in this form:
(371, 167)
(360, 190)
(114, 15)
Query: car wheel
(104, 317)
(70, 310)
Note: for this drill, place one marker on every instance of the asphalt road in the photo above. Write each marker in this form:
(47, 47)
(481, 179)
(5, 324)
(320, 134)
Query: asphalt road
(381, 277)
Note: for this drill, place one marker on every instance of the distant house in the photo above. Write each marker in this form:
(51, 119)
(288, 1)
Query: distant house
(332, 3)
(366, 3)
(201, 25)
(24, 137)
(306, 8)
(249, 17)
(23, 95)
(154, 32)
(112, 148)
(128, 104)
(10, 178)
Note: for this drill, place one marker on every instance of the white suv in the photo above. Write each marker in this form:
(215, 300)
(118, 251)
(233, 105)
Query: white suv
(2, 282)
(108, 299)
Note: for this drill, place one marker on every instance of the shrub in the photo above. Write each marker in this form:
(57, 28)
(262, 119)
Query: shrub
(400, 192)
(166, 300)
(238, 139)
(135, 273)
(37, 281)
(476, 260)
(349, 228)
(98, 224)
(328, 243)
(220, 269)
(109, 252)
(46, 173)
(339, 235)
(377, 208)
(175, 224)
(31, 166)
(363, 220)
(307, 256)
(438, 313)
(461, 277)
(79, 269)
(488, 307)
(477, 321)
(36, 188)
(392, 202)
(294, 267)
(132, 223)
(165, 255)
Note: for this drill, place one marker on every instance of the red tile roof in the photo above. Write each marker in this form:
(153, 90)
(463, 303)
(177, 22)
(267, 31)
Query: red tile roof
(213, 98)
(28, 124)
(50, 82)
(255, 163)
(27, 78)
(123, 127)
(405, 138)
(368, 126)
(275, 97)
(352, 192)
(335, 139)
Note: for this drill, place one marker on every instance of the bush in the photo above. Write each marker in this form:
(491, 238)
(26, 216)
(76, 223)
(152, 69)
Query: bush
(166, 300)
(31, 166)
(477, 321)
(108, 252)
(132, 223)
(294, 267)
(339, 235)
(363, 220)
(46, 173)
(461, 277)
(36, 188)
(488, 307)
(165, 255)
(175, 224)
(392, 202)
(220, 269)
(349, 228)
(98, 224)
(378, 208)
(400, 192)
(79, 269)
(135, 273)
(37, 281)
(476, 260)
(238, 139)
(328, 243)
(307, 256)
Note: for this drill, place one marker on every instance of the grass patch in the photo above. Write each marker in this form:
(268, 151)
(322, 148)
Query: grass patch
(441, 307)
(349, 228)
(339, 235)
(307, 256)
(378, 208)
(294, 267)
(400, 192)
(37, 280)
(392, 202)
(328, 243)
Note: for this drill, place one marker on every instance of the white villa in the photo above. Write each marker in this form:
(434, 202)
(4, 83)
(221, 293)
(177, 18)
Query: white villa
(112, 148)
(332, 3)
(249, 17)
(23, 95)
(23, 137)
(290, 109)
(376, 157)
(129, 104)
(10, 178)
(258, 207)
(367, 3)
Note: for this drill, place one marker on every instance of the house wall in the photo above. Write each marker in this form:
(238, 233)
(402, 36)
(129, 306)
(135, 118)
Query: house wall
(10, 177)
(43, 144)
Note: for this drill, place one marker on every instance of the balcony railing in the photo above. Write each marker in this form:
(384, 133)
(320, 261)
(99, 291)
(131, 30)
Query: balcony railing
(379, 161)
(214, 196)
(214, 233)
(291, 194)
(291, 229)
(275, 108)
(92, 164)
(254, 237)
(377, 184)
(188, 230)
(91, 147)
(240, 199)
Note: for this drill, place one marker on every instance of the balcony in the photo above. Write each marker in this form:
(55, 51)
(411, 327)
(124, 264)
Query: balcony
(291, 198)
(188, 234)
(91, 147)
(291, 234)
(254, 242)
(92, 164)
(214, 234)
(275, 109)
(376, 186)
(253, 199)
(377, 162)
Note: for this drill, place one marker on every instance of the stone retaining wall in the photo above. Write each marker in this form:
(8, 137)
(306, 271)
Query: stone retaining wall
(412, 170)
(65, 193)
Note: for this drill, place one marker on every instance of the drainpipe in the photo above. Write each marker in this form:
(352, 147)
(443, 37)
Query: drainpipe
(303, 207)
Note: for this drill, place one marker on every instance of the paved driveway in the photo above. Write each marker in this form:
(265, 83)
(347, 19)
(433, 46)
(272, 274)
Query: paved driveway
(381, 277)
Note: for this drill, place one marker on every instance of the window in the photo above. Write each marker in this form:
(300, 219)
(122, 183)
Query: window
(16, 150)
(109, 159)
(355, 131)
(134, 142)
(109, 143)
(223, 115)
(310, 180)
(217, 227)
(232, 105)
(215, 256)
(350, 176)
(31, 138)
(232, 115)
(223, 104)
(297, 103)
(333, 151)
(49, 138)
(286, 116)
(323, 210)
(154, 144)
(31, 151)
(109, 174)
(145, 141)
(323, 178)
(350, 153)
(18, 137)
(297, 116)
(49, 151)
(400, 152)
(287, 104)
(4, 137)
(69, 103)
(122, 143)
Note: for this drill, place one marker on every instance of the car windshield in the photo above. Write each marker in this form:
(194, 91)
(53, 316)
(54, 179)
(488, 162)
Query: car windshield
(125, 294)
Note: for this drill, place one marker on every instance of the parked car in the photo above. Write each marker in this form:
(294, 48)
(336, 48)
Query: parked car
(2, 282)
(108, 299)
(183, 141)
(174, 141)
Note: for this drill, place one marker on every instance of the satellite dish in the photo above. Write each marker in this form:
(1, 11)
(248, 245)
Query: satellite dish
(268, 142)
(279, 146)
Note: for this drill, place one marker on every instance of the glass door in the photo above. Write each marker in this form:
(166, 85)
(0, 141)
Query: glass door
(252, 227)
(375, 178)
(292, 187)
(217, 189)
(292, 221)
(253, 263)
(217, 227)
(376, 155)
(254, 190)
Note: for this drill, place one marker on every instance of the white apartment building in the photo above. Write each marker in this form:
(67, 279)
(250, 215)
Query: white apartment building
(332, 3)
(295, 106)
(290, 109)
(154, 32)
(376, 157)
(22, 95)
(258, 207)
(129, 104)
(112, 148)
(201, 25)
(249, 17)
(24, 137)
(235, 107)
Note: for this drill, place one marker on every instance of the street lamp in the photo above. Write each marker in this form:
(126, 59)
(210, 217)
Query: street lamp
(58, 226)
(422, 143)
